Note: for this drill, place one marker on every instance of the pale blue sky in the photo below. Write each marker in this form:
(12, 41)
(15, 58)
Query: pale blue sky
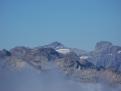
(75, 23)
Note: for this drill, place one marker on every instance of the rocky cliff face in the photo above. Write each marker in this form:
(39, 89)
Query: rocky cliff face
(106, 55)
(103, 63)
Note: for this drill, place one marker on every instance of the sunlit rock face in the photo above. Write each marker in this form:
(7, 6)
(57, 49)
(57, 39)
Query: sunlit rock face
(54, 67)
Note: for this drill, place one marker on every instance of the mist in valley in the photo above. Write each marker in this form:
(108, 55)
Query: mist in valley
(30, 79)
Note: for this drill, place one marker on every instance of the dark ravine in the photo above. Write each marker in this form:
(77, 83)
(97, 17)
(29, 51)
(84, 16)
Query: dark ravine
(101, 64)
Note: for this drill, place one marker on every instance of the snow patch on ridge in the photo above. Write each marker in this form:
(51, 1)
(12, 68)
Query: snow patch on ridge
(119, 51)
(63, 51)
(84, 57)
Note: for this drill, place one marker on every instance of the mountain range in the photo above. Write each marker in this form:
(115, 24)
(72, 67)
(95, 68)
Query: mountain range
(101, 64)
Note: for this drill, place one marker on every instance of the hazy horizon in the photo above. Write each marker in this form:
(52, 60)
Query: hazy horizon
(75, 23)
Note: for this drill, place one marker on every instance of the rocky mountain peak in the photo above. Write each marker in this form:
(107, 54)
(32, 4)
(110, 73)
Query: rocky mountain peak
(103, 45)
(55, 45)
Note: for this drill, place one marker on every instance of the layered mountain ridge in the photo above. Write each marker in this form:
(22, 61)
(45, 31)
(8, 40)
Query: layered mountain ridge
(103, 63)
